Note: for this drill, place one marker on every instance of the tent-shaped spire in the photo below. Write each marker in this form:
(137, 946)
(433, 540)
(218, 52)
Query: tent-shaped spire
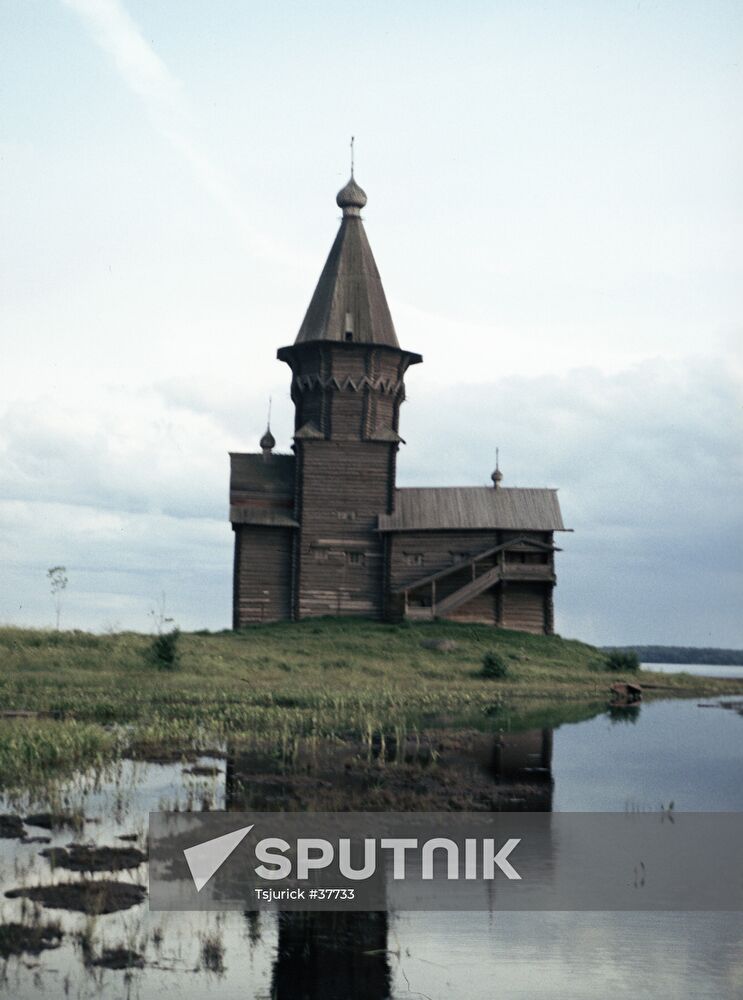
(349, 303)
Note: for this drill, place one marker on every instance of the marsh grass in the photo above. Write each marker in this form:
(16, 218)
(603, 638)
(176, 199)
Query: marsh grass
(29, 750)
(97, 697)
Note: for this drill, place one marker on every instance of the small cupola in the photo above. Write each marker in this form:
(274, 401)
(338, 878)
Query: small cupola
(268, 443)
(351, 198)
(496, 475)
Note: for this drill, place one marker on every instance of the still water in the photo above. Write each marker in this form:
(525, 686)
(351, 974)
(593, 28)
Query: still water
(696, 669)
(673, 751)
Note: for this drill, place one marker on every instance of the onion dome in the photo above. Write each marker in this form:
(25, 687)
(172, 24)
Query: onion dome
(351, 198)
(497, 475)
(268, 441)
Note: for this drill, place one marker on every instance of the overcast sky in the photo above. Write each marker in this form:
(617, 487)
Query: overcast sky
(555, 208)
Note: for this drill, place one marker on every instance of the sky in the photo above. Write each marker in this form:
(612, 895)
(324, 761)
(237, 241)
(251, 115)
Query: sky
(555, 206)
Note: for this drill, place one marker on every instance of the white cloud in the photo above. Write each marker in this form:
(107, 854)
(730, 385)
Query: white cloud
(158, 450)
(163, 95)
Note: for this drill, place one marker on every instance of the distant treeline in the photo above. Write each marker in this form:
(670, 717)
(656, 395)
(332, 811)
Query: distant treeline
(683, 654)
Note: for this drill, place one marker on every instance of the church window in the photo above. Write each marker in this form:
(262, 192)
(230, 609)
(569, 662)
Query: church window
(413, 558)
(356, 558)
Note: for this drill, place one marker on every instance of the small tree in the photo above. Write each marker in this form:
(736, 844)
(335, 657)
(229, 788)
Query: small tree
(164, 647)
(57, 576)
(494, 666)
(622, 659)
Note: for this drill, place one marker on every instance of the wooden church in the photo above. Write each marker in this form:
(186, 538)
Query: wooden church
(326, 531)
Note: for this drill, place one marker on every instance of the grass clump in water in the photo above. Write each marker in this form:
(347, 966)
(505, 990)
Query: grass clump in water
(30, 939)
(212, 952)
(30, 750)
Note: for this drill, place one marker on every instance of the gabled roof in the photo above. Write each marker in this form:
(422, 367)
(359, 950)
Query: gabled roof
(262, 490)
(473, 507)
(252, 472)
(349, 296)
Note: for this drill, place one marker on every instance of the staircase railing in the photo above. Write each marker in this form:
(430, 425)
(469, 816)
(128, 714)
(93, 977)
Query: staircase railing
(474, 586)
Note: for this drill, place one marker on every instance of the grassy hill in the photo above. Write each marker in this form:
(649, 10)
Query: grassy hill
(71, 699)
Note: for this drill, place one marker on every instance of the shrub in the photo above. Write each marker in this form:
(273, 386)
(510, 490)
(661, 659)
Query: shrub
(494, 666)
(620, 659)
(165, 649)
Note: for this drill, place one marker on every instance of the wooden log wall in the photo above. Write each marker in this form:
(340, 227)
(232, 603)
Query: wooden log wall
(481, 609)
(525, 606)
(342, 488)
(262, 575)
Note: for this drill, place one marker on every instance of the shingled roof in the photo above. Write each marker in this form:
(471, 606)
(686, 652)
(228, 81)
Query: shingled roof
(251, 471)
(473, 507)
(262, 490)
(349, 297)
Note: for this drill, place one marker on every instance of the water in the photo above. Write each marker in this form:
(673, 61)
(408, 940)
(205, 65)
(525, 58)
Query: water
(697, 669)
(632, 759)
(668, 751)
(672, 751)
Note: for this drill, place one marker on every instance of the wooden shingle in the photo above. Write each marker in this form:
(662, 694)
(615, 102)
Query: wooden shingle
(473, 507)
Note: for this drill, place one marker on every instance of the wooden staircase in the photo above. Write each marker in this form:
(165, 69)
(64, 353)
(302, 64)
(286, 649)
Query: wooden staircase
(467, 592)
(417, 609)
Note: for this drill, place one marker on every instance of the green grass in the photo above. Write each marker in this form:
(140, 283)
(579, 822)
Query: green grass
(99, 696)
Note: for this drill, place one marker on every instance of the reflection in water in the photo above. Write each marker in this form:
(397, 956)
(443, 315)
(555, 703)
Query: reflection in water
(674, 750)
(319, 956)
(525, 761)
(332, 956)
(624, 713)
(324, 956)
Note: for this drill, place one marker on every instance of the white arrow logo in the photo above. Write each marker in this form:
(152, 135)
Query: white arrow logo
(204, 859)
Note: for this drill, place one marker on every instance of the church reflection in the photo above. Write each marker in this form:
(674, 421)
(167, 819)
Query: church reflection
(524, 761)
(336, 955)
(319, 956)
(333, 956)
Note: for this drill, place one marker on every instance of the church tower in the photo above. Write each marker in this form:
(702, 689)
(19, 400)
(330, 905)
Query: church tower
(324, 530)
(347, 386)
